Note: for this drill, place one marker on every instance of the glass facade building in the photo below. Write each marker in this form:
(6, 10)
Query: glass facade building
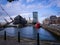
(35, 17)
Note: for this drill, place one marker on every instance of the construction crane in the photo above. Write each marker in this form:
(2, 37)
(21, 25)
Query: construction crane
(5, 19)
(4, 25)
(6, 12)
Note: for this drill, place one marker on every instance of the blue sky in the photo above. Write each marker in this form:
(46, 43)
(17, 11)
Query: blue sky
(45, 8)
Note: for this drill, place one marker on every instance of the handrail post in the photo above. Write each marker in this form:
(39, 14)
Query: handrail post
(37, 38)
(19, 37)
(4, 35)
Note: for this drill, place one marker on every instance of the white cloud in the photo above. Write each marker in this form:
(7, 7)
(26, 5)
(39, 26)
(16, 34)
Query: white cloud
(16, 8)
(13, 8)
(29, 1)
(54, 3)
(26, 15)
(41, 19)
(58, 3)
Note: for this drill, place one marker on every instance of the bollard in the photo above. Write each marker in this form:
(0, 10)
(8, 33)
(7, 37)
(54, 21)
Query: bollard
(4, 35)
(37, 38)
(19, 37)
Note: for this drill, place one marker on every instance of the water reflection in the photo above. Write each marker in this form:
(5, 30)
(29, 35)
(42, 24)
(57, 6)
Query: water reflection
(29, 32)
(9, 31)
(45, 35)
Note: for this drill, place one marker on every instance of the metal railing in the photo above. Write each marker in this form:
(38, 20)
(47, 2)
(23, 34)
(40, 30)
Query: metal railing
(18, 39)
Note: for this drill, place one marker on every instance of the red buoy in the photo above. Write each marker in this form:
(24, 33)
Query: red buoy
(37, 25)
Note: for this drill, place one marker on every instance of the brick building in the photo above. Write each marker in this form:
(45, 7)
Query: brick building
(52, 20)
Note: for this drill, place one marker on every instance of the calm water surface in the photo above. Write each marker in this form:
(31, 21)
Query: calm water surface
(28, 32)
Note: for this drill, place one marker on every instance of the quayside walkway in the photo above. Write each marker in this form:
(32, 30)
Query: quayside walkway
(24, 41)
(52, 28)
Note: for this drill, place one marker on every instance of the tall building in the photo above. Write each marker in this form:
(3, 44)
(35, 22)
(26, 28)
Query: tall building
(35, 17)
(29, 21)
(53, 19)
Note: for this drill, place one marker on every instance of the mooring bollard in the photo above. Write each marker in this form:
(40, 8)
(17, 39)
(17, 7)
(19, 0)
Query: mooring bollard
(37, 38)
(4, 35)
(19, 37)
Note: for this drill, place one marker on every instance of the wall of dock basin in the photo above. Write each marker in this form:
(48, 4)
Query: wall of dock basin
(52, 29)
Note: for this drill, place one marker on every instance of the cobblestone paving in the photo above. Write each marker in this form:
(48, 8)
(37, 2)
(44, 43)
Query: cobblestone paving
(24, 41)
